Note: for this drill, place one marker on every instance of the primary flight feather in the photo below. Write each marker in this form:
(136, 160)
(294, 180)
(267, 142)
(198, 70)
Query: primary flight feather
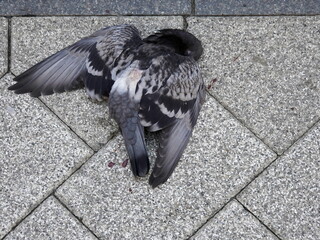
(151, 83)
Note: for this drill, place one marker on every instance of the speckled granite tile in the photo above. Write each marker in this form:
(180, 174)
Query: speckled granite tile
(286, 196)
(266, 71)
(94, 7)
(43, 36)
(50, 221)
(257, 7)
(234, 222)
(37, 153)
(222, 157)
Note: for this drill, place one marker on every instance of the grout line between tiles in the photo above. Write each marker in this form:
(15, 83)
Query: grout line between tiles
(80, 166)
(185, 23)
(235, 196)
(41, 202)
(71, 174)
(301, 136)
(75, 216)
(223, 207)
(244, 125)
(9, 38)
(225, 107)
(52, 192)
(211, 217)
(26, 216)
(242, 122)
(64, 123)
(193, 7)
(254, 177)
(279, 155)
(261, 222)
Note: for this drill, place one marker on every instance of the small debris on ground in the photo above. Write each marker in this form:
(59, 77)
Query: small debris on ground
(111, 164)
(236, 58)
(212, 82)
(125, 163)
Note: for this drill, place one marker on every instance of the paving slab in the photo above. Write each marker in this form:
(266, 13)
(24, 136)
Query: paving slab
(3, 46)
(37, 153)
(94, 7)
(149, 7)
(257, 7)
(234, 222)
(266, 72)
(37, 38)
(286, 197)
(222, 157)
(51, 221)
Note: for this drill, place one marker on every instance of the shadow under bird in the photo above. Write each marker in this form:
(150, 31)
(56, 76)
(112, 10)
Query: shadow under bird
(151, 83)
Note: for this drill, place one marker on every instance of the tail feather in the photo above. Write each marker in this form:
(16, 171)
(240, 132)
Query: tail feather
(133, 135)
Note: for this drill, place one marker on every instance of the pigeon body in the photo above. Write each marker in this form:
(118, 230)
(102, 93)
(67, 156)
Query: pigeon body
(151, 83)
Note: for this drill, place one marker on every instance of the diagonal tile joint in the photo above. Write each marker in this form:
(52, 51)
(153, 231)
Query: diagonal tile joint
(251, 170)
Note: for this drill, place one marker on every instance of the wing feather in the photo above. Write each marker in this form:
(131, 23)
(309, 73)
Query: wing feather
(173, 141)
(173, 108)
(70, 68)
(56, 70)
(174, 98)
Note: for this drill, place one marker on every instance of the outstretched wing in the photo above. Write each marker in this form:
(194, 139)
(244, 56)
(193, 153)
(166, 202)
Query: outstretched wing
(87, 62)
(171, 105)
(173, 141)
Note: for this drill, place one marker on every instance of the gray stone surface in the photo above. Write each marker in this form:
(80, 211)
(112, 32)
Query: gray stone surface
(286, 197)
(158, 7)
(222, 157)
(37, 38)
(51, 221)
(146, 7)
(264, 70)
(94, 7)
(256, 7)
(3, 46)
(234, 222)
(267, 72)
(37, 153)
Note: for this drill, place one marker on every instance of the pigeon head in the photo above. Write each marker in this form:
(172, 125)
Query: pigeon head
(182, 42)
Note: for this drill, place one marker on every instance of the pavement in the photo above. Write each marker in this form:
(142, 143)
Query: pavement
(251, 170)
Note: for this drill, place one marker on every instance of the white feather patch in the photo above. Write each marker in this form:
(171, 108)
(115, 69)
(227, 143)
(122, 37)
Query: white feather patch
(94, 96)
(165, 111)
(144, 123)
(92, 71)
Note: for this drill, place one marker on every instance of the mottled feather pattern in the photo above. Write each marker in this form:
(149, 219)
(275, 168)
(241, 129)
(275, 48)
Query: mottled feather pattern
(124, 109)
(175, 93)
(151, 83)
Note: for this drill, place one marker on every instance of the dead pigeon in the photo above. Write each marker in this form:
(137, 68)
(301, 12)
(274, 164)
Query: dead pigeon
(151, 83)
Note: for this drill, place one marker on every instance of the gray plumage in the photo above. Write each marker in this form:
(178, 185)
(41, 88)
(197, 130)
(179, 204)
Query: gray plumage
(151, 83)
